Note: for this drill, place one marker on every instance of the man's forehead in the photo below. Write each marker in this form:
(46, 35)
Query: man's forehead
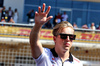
(68, 30)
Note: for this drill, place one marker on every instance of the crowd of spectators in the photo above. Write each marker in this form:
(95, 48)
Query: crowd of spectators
(9, 15)
(60, 17)
(64, 17)
(92, 27)
(57, 19)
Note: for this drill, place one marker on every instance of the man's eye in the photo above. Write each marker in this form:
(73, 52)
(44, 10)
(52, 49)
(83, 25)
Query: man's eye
(71, 37)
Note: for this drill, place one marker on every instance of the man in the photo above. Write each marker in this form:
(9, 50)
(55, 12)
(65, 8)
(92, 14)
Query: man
(64, 16)
(3, 12)
(31, 16)
(63, 37)
(48, 25)
(10, 14)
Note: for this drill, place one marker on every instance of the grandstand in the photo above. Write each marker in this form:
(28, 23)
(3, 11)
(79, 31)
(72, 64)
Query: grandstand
(15, 48)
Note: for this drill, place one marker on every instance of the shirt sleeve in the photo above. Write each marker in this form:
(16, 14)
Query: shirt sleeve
(41, 58)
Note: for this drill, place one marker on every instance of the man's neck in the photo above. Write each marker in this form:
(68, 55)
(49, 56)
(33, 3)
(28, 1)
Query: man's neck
(63, 56)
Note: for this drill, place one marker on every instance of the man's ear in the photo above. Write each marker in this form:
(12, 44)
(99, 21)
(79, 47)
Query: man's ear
(54, 38)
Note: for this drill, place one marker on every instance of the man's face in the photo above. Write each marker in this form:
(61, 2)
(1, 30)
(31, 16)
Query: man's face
(65, 44)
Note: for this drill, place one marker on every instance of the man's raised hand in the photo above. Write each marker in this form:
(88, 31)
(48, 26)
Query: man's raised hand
(41, 16)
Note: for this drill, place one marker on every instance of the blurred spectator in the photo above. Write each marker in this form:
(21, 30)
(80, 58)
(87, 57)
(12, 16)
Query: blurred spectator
(93, 27)
(31, 15)
(15, 16)
(48, 25)
(3, 20)
(74, 25)
(10, 15)
(98, 28)
(54, 21)
(3, 12)
(85, 26)
(58, 18)
(64, 17)
(6, 17)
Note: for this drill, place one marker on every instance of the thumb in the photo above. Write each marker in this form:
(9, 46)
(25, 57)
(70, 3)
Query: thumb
(49, 18)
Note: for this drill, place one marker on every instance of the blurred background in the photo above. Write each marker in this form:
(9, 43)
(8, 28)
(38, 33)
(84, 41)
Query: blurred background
(17, 20)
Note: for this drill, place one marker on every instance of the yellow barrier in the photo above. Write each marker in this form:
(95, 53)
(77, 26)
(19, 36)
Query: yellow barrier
(22, 32)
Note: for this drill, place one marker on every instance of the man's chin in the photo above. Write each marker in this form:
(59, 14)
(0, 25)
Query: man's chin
(65, 50)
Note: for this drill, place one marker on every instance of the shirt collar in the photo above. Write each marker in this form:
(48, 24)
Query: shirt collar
(56, 55)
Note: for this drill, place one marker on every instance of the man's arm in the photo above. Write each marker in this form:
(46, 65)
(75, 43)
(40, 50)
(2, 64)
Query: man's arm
(40, 19)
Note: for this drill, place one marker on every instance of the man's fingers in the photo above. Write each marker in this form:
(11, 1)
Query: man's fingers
(49, 18)
(36, 13)
(39, 9)
(48, 10)
(43, 7)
